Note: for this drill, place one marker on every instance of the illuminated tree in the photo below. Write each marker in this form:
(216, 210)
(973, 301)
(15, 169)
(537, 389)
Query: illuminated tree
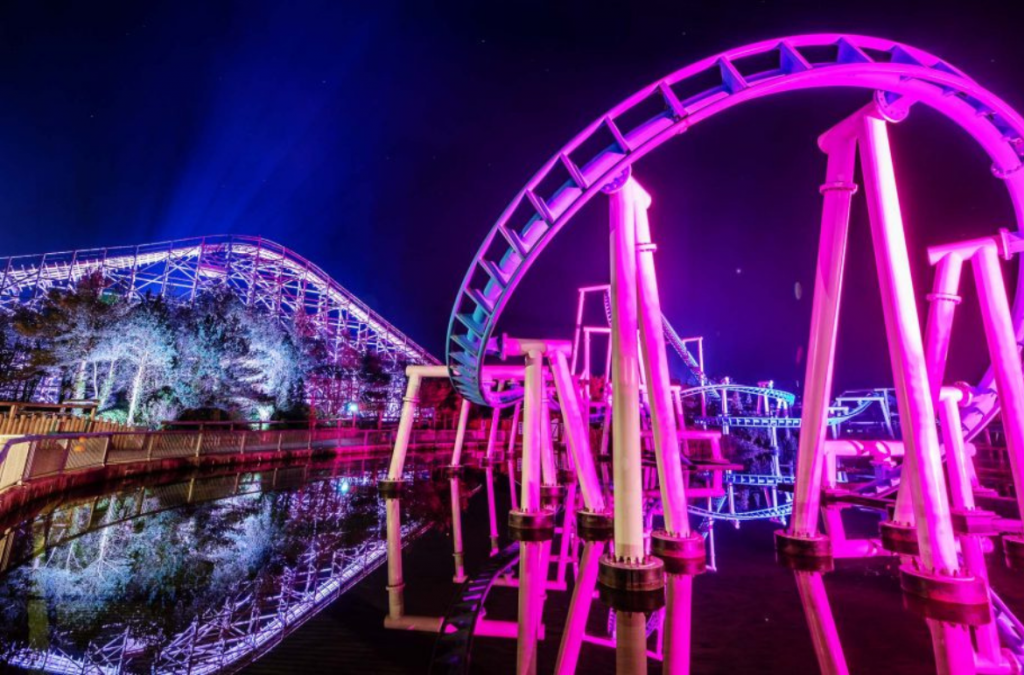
(144, 341)
(66, 329)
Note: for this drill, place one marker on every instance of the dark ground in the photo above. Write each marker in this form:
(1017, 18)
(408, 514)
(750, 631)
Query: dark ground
(747, 616)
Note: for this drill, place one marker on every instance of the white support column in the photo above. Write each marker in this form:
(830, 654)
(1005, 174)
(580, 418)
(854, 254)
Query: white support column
(549, 471)
(626, 467)
(942, 304)
(457, 548)
(678, 618)
(630, 643)
(492, 512)
(659, 387)
(514, 429)
(579, 608)
(492, 436)
(396, 581)
(837, 192)
(532, 578)
(532, 441)
(460, 432)
(818, 612)
(962, 498)
(922, 462)
(577, 433)
(409, 403)
(1006, 362)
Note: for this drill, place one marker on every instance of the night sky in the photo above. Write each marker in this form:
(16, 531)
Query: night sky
(382, 141)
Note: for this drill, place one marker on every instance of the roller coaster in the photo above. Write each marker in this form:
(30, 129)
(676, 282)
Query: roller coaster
(263, 274)
(936, 527)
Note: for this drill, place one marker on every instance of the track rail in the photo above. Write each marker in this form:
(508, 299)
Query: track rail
(455, 639)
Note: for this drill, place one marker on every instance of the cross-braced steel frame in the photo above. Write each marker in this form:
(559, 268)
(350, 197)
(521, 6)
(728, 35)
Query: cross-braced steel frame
(898, 74)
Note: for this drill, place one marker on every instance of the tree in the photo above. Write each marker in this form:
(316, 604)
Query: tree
(20, 373)
(144, 342)
(66, 328)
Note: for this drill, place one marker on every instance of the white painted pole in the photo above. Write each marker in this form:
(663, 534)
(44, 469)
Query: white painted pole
(837, 193)
(626, 467)
(659, 386)
(577, 434)
(954, 652)
(460, 432)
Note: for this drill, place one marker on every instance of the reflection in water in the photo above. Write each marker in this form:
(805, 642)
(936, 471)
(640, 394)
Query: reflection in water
(197, 575)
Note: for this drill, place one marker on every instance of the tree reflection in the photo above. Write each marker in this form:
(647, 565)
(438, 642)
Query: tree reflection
(133, 572)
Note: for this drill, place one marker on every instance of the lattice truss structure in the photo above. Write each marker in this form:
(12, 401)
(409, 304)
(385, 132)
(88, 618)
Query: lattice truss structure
(263, 274)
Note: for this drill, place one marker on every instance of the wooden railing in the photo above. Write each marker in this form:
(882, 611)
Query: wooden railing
(34, 423)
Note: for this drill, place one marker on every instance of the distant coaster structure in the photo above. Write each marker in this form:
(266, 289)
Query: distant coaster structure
(263, 274)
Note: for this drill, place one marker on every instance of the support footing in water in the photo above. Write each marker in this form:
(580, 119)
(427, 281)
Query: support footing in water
(531, 525)
(804, 554)
(591, 526)
(1013, 551)
(973, 521)
(631, 586)
(962, 600)
(391, 488)
(626, 575)
(681, 555)
(899, 538)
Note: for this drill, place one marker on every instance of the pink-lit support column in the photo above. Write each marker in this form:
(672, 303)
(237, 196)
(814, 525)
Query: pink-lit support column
(606, 426)
(827, 647)
(510, 456)
(678, 604)
(492, 436)
(677, 546)
(922, 461)
(659, 387)
(630, 643)
(942, 304)
(530, 519)
(549, 472)
(396, 582)
(837, 192)
(626, 468)
(566, 535)
(514, 429)
(492, 512)
(627, 573)
(579, 608)
(409, 402)
(577, 433)
(458, 553)
(532, 440)
(532, 575)
(397, 618)
(460, 433)
(1006, 362)
(962, 499)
